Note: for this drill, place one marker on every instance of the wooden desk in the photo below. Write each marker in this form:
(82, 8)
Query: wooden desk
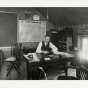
(48, 64)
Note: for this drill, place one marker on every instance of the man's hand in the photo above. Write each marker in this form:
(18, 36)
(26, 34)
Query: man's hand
(65, 54)
(68, 55)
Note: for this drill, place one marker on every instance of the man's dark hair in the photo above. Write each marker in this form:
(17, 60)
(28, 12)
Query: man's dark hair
(47, 35)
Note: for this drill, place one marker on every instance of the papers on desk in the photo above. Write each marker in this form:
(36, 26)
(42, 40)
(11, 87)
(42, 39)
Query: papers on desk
(46, 59)
(31, 57)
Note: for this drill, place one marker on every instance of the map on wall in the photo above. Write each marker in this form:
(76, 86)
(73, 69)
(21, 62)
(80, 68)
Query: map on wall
(31, 32)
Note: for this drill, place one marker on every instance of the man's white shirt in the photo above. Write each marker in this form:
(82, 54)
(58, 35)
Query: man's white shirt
(53, 47)
(54, 50)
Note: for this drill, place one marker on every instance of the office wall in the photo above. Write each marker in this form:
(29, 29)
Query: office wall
(8, 29)
(8, 24)
(29, 31)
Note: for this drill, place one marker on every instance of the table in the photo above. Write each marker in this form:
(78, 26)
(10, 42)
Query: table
(12, 70)
(34, 62)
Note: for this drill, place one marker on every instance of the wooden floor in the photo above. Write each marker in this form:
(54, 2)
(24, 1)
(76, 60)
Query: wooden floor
(52, 71)
(13, 74)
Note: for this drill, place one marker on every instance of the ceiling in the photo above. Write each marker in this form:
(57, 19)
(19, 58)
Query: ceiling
(58, 15)
(66, 15)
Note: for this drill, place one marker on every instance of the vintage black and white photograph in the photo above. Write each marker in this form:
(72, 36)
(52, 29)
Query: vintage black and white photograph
(43, 43)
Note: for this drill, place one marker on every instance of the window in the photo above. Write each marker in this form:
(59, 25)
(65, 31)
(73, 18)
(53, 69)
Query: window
(83, 45)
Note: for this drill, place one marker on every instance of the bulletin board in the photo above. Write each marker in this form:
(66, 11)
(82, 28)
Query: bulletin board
(31, 32)
(8, 29)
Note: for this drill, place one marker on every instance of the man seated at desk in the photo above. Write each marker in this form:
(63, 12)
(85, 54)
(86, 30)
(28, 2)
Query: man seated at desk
(46, 48)
(46, 51)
